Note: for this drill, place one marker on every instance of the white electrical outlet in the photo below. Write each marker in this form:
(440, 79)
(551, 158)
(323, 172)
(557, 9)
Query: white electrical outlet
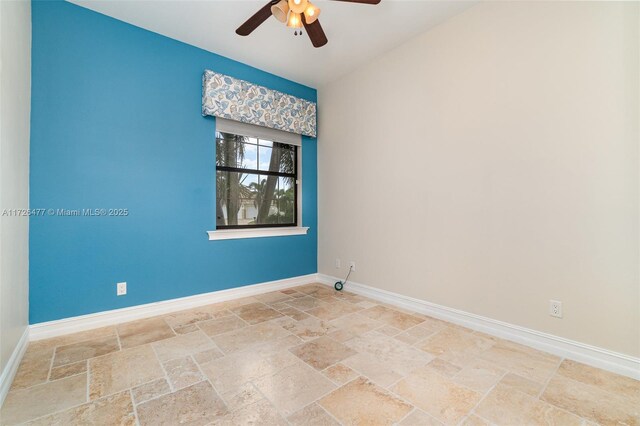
(338, 263)
(352, 265)
(121, 289)
(555, 308)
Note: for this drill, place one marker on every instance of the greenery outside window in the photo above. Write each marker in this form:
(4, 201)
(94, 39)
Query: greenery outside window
(256, 182)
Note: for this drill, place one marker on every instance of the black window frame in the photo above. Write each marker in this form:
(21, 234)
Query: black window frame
(258, 172)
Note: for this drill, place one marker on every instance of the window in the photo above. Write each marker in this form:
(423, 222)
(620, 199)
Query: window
(256, 182)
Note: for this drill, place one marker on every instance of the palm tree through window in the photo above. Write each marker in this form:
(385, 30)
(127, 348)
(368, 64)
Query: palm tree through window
(256, 182)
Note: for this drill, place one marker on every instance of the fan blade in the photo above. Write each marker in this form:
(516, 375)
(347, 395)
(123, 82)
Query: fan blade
(316, 33)
(361, 1)
(255, 21)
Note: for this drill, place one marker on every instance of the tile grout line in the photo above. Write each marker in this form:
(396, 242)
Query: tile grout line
(208, 380)
(53, 357)
(571, 412)
(118, 338)
(328, 413)
(400, 397)
(130, 391)
(204, 376)
(334, 365)
(88, 382)
(252, 383)
(317, 400)
(166, 376)
(215, 345)
(546, 383)
(165, 394)
(135, 408)
(66, 364)
(146, 383)
(482, 418)
(484, 396)
(52, 413)
(413, 410)
(65, 377)
(71, 407)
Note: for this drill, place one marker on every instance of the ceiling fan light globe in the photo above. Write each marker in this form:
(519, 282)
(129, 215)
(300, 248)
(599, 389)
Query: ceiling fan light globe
(311, 13)
(280, 10)
(298, 6)
(295, 21)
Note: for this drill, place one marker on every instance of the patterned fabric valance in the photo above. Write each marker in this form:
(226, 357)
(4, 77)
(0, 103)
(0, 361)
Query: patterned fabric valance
(228, 97)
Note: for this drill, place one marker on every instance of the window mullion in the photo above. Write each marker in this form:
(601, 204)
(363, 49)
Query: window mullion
(253, 171)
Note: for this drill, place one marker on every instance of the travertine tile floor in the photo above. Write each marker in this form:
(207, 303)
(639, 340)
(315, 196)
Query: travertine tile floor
(307, 356)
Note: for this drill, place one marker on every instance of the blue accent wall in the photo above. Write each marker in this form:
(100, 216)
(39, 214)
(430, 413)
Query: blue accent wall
(116, 123)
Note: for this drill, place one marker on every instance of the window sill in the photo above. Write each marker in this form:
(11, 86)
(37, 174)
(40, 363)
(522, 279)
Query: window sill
(234, 234)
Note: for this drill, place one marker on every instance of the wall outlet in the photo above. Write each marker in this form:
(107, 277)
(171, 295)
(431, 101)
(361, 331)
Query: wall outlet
(555, 308)
(352, 265)
(338, 264)
(121, 289)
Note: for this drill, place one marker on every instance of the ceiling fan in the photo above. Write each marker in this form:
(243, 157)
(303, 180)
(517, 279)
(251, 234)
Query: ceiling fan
(296, 14)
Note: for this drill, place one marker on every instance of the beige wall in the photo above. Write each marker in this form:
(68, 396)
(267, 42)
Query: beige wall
(15, 101)
(491, 164)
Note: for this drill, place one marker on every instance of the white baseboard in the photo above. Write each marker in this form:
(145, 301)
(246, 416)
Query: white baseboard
(565, 348)
(46, 330)
(10, 370)
(588, 354)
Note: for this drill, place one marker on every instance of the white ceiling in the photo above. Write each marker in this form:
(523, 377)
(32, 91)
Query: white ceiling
(356, 32)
